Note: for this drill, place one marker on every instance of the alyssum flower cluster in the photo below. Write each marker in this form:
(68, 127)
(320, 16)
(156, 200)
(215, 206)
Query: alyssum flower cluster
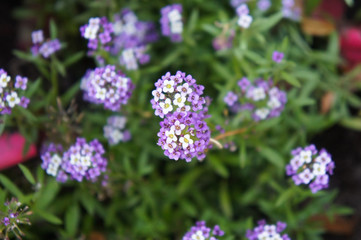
(265, 231)
(10, 92)
(45, 48)
(178, 99)
(201, 232)
(81, 161)
(114, 130)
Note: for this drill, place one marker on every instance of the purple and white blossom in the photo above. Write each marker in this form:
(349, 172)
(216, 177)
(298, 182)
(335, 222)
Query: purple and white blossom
(277, 56)
(262, 99)
(105, 85)
(266, 231)
(290, 10)
(171, 22)
(244, 19)
(263, 5)
(45, 48)
(177, 93)
(114, 130)
(11, 91)
(310, 166)
(201, 232)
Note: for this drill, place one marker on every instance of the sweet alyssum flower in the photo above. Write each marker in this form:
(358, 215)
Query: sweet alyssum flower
(114, 130)
(277, 56)
(171, 22)
(105, 85)
(265, 231)
(11, 220)
(244, 19)
(184, 135)
(131, 37)
(45, 48)
(263, 5)
(81, 161)
(99, 33)
(201, 232)
(177, 93)
(11, 91)
(290, 10)
(262, 99)
(309, 166)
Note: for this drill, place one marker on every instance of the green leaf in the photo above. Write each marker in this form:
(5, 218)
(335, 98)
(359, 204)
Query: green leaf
(11, 187)
(284, 197)
(264, 24)
(218, 166)
(70, 93)
(225, 200)
(48, 217)
(243, 154)
(53, 29)
(272, 156)
(28, 175)
(290, 79)
(33, 87)
(27, 114)
(24, 56)
(188, 180)
(47, 194)
(353, 123)
(72, 217)
(73, 59)
(2, 123)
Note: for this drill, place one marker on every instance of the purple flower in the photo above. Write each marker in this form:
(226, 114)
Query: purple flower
(263, 5)
(308, 166)
(171, 22)
(290, 10)
(6, 221)
(37, 36)
(201, 231)
(114, 130)
(45, 48)
(265, 231)
(230, 98)
(105, 85)
(277, 56)
(21, 82)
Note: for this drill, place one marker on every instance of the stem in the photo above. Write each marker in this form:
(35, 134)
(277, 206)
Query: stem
(53, 79)
(215, 142)
(230, 133)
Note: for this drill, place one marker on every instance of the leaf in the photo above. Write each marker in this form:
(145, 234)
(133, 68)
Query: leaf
(2, 123)
(11, 187)
(53, 29)
(49, 217)
(72, 217)
(284, 197)
(272, 156)
(70, 94)
(188, 180)
(353, 123)
(73, 59)
(25, 56)
(263, 24)
(225, 200)
(28, 175)
(290, 79)
(33, 87)
(47, 194)
(27, 114)
(218, 166)
(243, 154)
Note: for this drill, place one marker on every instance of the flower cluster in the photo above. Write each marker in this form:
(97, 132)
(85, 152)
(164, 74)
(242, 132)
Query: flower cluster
(11, 219)
(45, 48)
(81, 160)
(237, 3)
(268, 232)
(10, 91)
(290, 10)
(184, 135)
(131, 37)
(308, 166)
(99, 33)
(262, 99)
(177, 93)
(201, 232)
(244, 19)
(263, 5)
(178, 99)
(105, 85)
(114, 130)
(171, 22)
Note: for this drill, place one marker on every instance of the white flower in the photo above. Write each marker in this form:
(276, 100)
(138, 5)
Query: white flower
(198, 235)
(37, 36)
(52, 169)
(318, 169)
(296, 162)
(273, 103)
(323, 158)
(94, 22)
(101, 92)
(174, 16)
(258, 94)
(116, 136)
(75, 159)
(157, 93)
(170, 146)
(118, 27)
(270, 229)
(91, 32)
(112, 95)
(179, 100)
(168, 86)
(263, 236)
(4, 79)
(117, 121)
(273, 92)
(178, 127)
(186, 140)
(306, 176)
(129, 59)
(108, 74)
(13, 99)
(87, 149)
(170, 136)
(262, 113)
(85, 161)
(122, 82)
(184, 89)
(176, 27)
(166, 106)
(55, 160)
(184, 108)
(244, 21)
(306, 156)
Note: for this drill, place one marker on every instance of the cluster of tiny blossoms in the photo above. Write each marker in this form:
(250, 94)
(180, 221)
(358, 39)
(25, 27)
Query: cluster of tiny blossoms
(268, 232)
(171, 22)
(263, 5)
(201, 232)
(262, 99)
(244, 19)
(131, 38)
(105, 85)
(10, 91)
(12, 218)
(99, 33)
(45, 48)
(81, 160)
(308, 166)
(290, 10)
(114, 131)
(184, 134)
